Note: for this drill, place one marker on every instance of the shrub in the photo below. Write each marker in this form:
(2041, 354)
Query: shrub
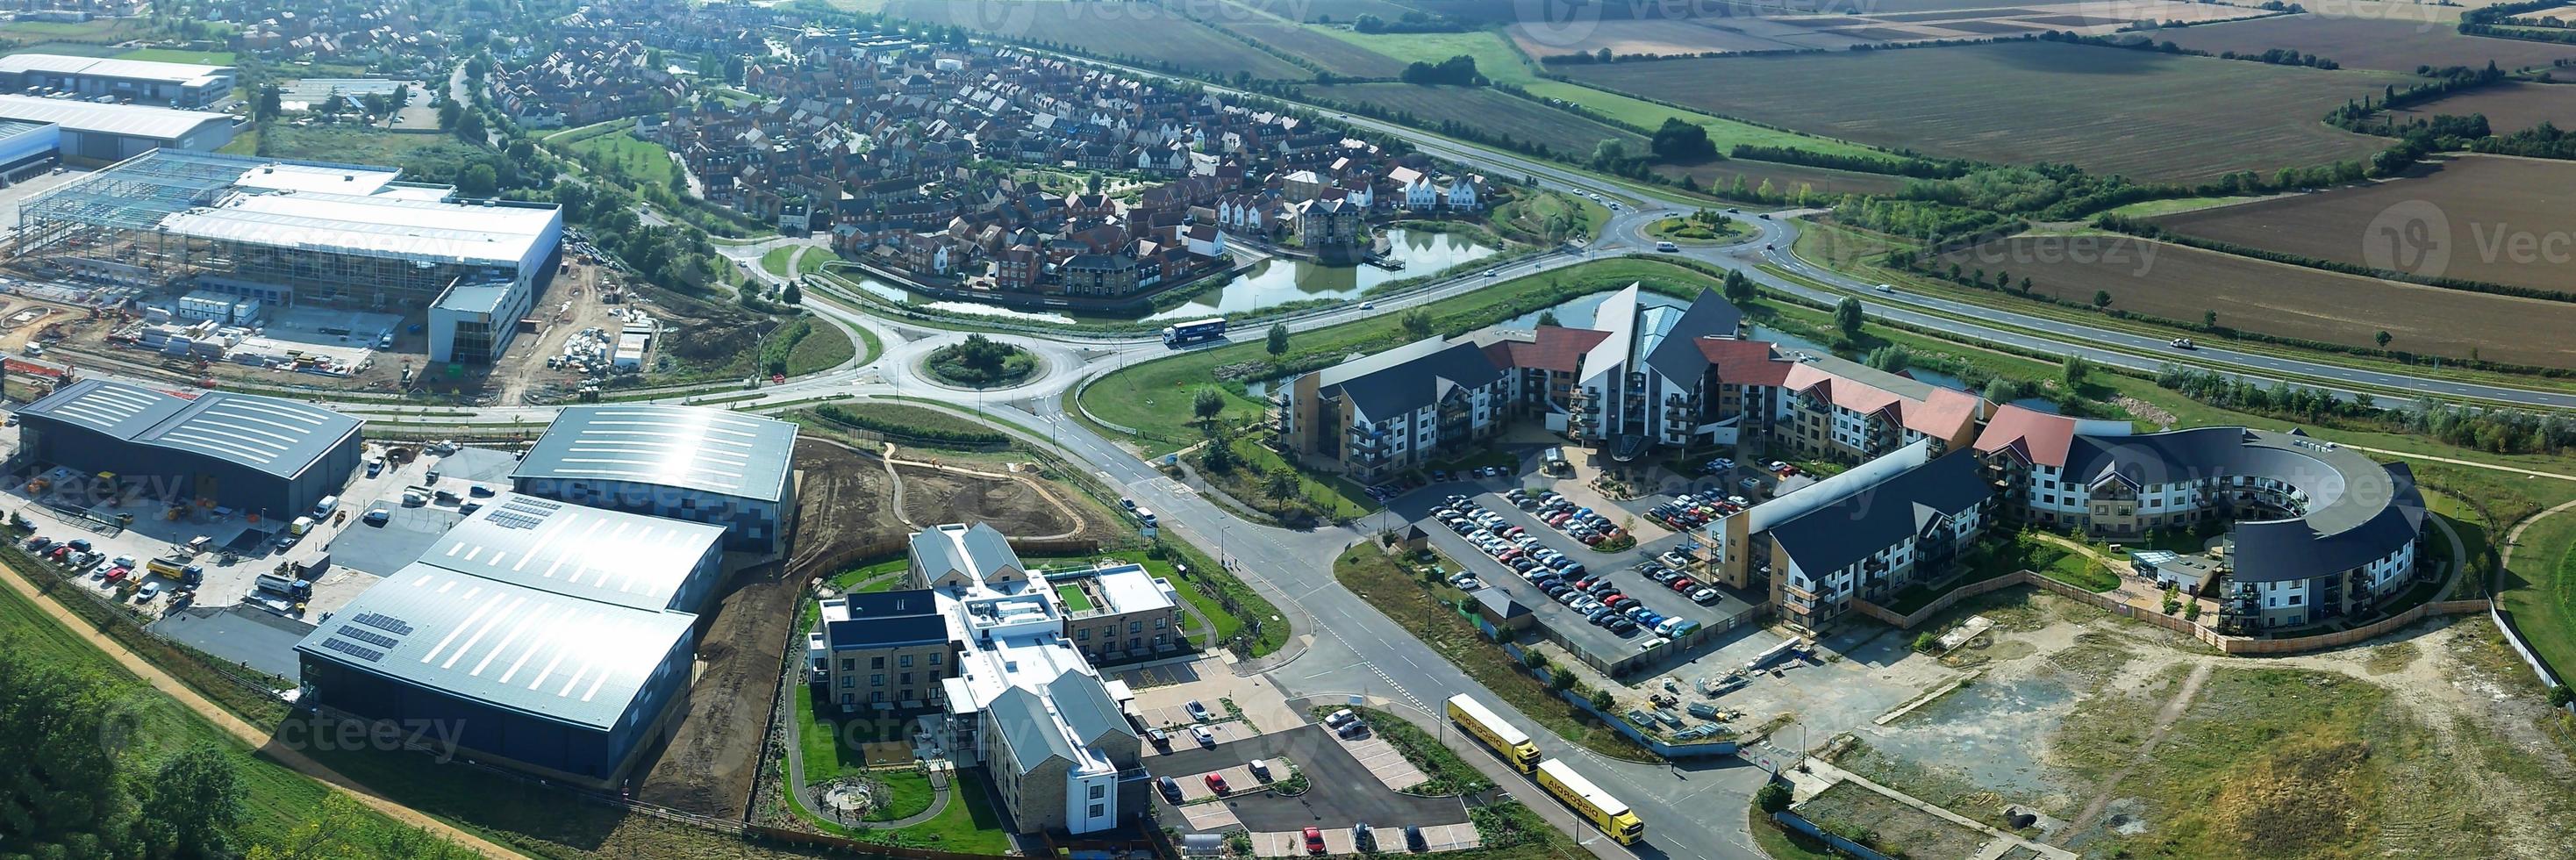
(1773, 797)
(879, 421)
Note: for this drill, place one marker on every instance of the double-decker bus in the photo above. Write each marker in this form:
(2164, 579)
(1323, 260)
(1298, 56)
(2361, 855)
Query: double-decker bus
(1507, 741)
(1179, 334)
(1589, 801)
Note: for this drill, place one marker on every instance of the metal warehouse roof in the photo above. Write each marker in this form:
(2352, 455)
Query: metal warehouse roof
(563, 658)
(626, 559)
(279, 437)
(691, 447)
(139, 70)
(375, 224)
(157, 123)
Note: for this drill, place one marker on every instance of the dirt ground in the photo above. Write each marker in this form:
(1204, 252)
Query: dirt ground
(844, 503)
(2128, 740)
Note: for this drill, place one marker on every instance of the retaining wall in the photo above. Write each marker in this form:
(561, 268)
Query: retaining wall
(2233, 645)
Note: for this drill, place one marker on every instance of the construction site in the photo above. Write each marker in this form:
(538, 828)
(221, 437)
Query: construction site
(221, 270)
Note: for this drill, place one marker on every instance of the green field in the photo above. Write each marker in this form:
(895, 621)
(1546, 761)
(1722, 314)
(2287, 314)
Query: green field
(1536, 217)
(277, 800)
(2146, 115)
(95, 29)
(1495, 56)
(1726, 133)
(776, 260)
(641, 161)
(1486, 111)
(175, 55)
(351, 145)
(1335, 55)
(1141, 33)
(2539, 590)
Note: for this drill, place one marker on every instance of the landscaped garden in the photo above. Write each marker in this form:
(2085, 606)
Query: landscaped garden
(981, 362)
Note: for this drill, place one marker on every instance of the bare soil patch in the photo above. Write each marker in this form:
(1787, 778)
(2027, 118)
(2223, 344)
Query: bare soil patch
(2508, 107)
(2362, 41)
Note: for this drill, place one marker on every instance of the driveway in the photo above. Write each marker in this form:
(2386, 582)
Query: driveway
(1340, 791)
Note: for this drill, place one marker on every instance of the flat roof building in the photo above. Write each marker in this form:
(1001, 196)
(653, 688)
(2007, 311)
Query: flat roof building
(185, 85)
(609, 556)
(683, 462)
(260, 455)
(94, 133)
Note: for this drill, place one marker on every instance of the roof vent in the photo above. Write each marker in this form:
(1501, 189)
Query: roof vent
(348, 177)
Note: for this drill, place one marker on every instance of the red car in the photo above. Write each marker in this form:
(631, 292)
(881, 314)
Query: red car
(116, 573)
(1314, 841)
(1216, 783)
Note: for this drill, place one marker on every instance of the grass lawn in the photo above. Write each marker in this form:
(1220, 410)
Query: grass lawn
(967, 826)
(244, 142)
(2539, 590)
(814, 260)
(1154, 397)
(820, 739)
(777, 259)
(276, 799)
(1319, 495)
(636, 160)
(175, 55)
(1384, 583)
(1532, 214)
(1781, 844)
(346, 144)
(1274, 634)
(2150, 208)
(1495, 56)
(907, 792)
(823, 348)
(1687, 232)
(1073, 598)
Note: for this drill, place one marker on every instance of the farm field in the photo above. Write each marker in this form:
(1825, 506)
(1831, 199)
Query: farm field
(2180, 283)
(1140, 33)
(1335, 55)
(1669, 36)
(1482, 108)
(1716, 176)
(2148, 116)
(1495, 57)
(2368, 43)
(2508, 107)
(1325, 11)
(2482, 202)
(1723, 132)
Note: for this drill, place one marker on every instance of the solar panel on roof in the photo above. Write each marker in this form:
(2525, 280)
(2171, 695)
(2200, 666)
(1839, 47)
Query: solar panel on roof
(369, 637)
(511, 520)
(534, 506)
(355, 650)
(384, 622)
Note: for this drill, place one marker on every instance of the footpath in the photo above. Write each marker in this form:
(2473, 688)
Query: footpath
(245, 732)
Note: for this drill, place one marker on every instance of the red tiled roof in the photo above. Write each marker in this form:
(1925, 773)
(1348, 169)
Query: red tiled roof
(1744, 362)
(1556, 348)
(1943, 415)
(2037, 436)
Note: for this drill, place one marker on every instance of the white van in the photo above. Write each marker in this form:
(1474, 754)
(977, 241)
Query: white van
(1145, 517)
(324, 507)
(1667, 247)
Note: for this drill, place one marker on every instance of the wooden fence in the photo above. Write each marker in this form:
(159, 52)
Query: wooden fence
(2233, 645)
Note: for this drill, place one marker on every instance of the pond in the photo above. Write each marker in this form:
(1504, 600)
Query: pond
(1272, 282)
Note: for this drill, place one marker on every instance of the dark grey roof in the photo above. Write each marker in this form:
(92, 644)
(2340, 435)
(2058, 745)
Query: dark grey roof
(1674, 354)
(979, 551)
(566, 659)
(1084, 703)
(1857, 526)
(2358, 510)
(691, 447)
(1021, 716)
(1404, 386)
(609, 556)
(279, 437)
(885, 619)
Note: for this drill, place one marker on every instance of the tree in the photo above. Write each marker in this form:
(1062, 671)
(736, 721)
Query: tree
(1609, 152)
(1417, 323)
(449, 114)
(271, 103)
(1278, 339)
(1682, 141)
(195, 803)
(1738, 288)
(1602, 701)
(2025, 285)
(1281, 485)
(794, 294)
(2382, 338)
(469, 128)
(2101, 298)
(1206, 405)
(2209, 320)
(1847, 316)
(1774, 796)
(1548, 318)
(1216, 455)
(477, 180)
(2074, 372)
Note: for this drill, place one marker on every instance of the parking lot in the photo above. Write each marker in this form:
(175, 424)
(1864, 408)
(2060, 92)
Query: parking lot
(1340, 791)
(1615, 650)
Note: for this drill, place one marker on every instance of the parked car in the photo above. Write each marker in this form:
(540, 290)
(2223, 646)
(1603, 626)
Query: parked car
(1162, 739)
(1652, 643)
(1314, 841)
(1205, 738)
(1171, 788)
(1414, 840)
(1337, 718)
(1705, 595)
(1260, 769)
(150, 590)
(1197, 711)
(1216, 783)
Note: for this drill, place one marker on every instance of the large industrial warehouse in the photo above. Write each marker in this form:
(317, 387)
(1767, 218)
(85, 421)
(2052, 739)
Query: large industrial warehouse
(293, 233)
(683, 462)
(95, 134)
(550, 635)
(257, 455)
(184, 85)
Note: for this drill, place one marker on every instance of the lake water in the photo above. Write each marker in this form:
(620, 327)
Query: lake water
(1273, 282)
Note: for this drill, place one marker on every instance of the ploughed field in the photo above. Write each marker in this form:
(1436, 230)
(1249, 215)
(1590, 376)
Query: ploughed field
(2178, 282)
(2477, 217)
(2364, 42)
(1494, 113)
(1141, 33)
(2508, 107)
(2149, 116)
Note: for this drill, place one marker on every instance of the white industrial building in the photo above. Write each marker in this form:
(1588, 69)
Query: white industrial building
(683, 462)
(183, 85)
(92, 133)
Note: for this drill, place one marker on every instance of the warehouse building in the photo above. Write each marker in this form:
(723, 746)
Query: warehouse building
(258, 455)
(97, 134)
(550, 636)
(474, 323)
(292, 233)
(682, 462)
(27, 146)
(180, 85)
